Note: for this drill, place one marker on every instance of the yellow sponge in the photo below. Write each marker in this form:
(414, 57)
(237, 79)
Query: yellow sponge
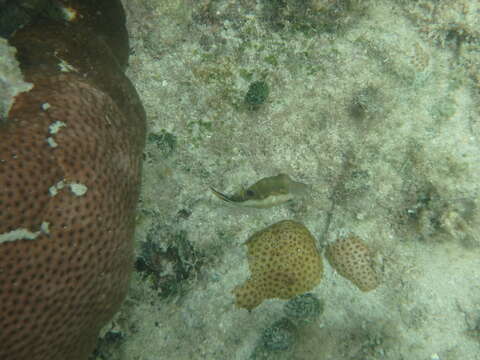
(352, 259)
(283, 261)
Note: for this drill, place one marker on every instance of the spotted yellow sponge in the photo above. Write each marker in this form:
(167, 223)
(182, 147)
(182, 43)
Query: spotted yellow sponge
(352, 259)
(283, 261)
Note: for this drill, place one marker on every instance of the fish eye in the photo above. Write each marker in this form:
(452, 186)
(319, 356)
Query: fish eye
(250, 192)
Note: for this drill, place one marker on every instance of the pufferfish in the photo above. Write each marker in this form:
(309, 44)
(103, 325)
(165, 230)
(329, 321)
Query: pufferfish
(267, 192)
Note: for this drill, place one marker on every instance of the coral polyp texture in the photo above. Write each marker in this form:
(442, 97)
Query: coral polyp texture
(352, 259)
(284, 262)
(70, 160)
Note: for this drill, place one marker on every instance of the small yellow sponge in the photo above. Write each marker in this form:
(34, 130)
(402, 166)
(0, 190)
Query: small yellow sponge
(352, 259)
(283, 261)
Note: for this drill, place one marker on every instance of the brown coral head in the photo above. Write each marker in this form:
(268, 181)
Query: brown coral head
(70, 159)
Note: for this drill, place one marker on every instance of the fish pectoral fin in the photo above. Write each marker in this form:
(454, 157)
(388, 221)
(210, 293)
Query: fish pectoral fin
(221, 195)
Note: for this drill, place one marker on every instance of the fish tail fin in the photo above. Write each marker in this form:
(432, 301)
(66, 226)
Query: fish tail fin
(220, 195)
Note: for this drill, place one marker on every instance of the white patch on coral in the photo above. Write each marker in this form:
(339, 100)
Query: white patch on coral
(78, 189)
(24, 234)
(53, 190)
(51, 142)
(45, 227)
(11, 79)
(56, 126)
(66, 67)
(45, 106)
(69, 13)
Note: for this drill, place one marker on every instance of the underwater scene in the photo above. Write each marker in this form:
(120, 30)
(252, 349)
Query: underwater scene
(240, 179)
